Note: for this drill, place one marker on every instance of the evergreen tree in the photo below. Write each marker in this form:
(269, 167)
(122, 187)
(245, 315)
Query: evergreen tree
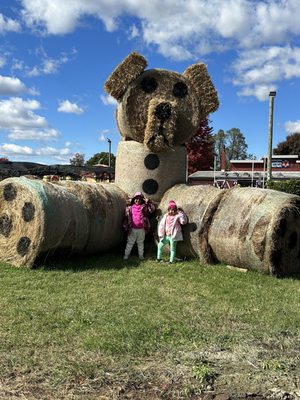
(219, 145)
(236, 148)
(200, 148)
(234, 144)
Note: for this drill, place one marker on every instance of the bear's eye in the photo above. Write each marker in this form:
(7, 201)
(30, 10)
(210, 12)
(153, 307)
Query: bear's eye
(180, 90)
(149, 85)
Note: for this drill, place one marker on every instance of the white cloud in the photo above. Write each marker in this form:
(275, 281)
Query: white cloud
(8, 25)
(13, 86)
(66, 106)
(190, 29)
(13, 149)
(292, 126)
(108, 100)
(33, 134)
(133, 32)
(261, 92)
(17, 116)
(257, 70)
(47, 65)
(2, 61)
(102, 135)
(179, 23)
(52, 151)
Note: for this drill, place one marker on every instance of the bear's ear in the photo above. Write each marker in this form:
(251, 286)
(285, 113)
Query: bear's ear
(126, 72)
(197, 74)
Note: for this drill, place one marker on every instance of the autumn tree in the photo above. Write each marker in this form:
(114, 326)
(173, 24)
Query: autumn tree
(200, 148)
(290, 146)
(102, 158)
(77, 160)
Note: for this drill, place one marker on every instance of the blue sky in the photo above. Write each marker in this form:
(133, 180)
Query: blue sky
(56, 55)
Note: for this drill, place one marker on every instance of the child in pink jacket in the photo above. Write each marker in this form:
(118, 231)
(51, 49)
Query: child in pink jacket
(169, 230)
(136, 223)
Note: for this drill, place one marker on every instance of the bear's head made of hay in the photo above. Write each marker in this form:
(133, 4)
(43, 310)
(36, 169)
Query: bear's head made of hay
(160, 108)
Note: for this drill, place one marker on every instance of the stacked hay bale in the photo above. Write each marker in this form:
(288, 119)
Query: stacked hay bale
(38, 218)
(258, 230)
(137, 170)
(200, 204)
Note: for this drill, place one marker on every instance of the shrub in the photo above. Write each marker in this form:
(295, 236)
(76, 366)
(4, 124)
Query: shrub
(291, 186)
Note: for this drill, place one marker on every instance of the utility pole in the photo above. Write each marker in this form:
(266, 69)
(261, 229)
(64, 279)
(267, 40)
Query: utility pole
(270, 136)
(109, 151)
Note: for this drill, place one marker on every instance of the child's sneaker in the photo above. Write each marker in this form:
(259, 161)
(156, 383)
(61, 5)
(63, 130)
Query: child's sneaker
(159, 260)
(125, 258)
(142, 258)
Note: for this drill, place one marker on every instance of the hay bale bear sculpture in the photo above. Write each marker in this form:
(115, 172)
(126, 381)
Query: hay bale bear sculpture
(158, 112)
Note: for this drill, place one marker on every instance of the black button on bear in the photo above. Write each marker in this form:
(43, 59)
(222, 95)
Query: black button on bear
(150, 186)
(151, 161)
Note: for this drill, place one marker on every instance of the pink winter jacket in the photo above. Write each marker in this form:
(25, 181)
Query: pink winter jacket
(180, 219)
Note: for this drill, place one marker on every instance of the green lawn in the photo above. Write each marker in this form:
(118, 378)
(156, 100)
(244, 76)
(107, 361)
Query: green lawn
(102, 328)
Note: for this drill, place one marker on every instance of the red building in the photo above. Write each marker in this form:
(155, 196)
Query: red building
(288, 163)
(249, 172)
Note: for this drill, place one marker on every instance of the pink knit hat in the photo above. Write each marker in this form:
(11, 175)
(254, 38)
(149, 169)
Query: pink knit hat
(172, 205)
(138, 194)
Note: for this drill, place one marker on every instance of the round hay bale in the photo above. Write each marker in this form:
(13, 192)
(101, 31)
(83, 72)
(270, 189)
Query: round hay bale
(199, 203)
(39, 218)
(139, 170)
(105, 204)
(257, 229)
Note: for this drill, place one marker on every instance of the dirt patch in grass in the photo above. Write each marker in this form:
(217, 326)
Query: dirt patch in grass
(266, 370)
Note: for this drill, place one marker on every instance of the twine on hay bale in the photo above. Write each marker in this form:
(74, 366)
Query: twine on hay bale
(105, 204)
(258, 230)
(199, 203)
(127, 71)
(39, 218)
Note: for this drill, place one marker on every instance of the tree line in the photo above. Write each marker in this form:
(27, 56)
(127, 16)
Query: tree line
(205, 149)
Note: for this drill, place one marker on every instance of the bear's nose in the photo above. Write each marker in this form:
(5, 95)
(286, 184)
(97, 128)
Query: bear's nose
(163, 111)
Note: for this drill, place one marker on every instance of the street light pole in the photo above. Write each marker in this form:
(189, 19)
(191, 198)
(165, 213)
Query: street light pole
(109, 151)
(270, 136)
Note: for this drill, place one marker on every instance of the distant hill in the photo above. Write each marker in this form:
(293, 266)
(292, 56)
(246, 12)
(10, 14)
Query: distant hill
(14, 169)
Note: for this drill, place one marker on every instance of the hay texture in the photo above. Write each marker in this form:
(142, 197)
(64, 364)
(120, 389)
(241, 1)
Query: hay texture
(200, 204)
(39, 218)
(258, 230)
(189, 97)
(199, 77)
(126, 72)
(138, 170)
(104, 204)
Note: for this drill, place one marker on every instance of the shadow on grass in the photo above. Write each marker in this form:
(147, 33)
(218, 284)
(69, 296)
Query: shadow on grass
(112, 260)
(78, 263)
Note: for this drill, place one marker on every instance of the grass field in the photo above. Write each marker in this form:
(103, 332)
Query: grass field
(102, 328)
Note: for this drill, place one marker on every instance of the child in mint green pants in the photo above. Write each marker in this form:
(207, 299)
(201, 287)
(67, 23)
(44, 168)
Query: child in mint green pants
(170, 231)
